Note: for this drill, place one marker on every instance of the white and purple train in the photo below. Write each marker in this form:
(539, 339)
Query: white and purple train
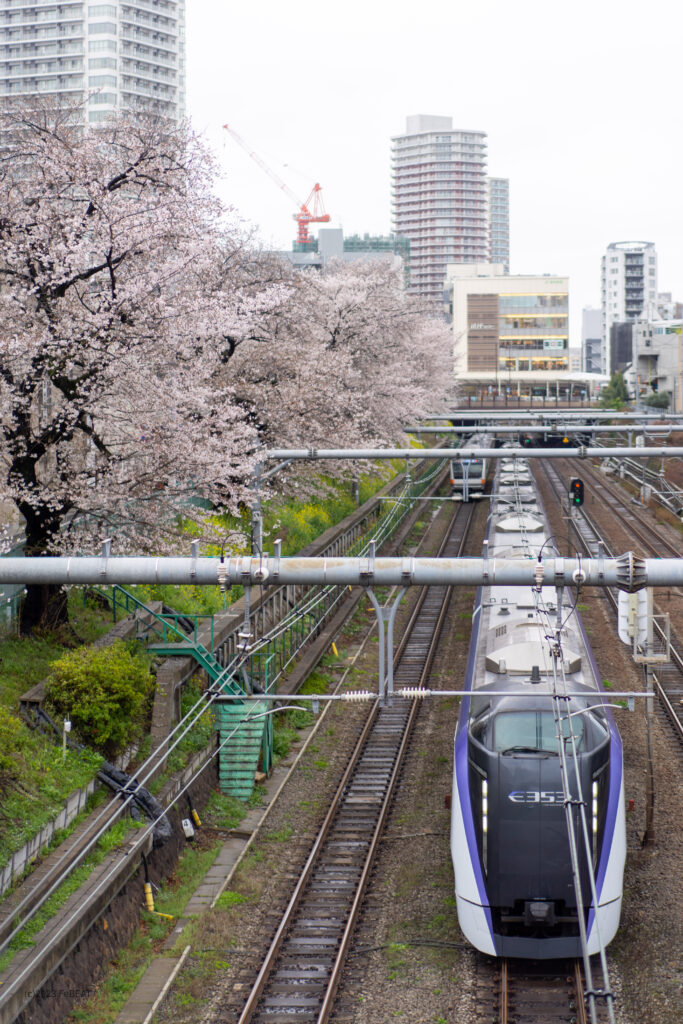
(514, 884)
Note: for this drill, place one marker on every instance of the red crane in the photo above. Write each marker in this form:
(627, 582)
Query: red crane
(304, 217)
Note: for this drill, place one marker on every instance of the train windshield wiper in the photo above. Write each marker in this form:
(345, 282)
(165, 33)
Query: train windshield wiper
(526, 750)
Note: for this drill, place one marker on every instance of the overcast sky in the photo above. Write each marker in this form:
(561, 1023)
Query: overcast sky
(581, 101)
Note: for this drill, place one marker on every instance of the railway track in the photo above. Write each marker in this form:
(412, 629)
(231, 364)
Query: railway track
(533, 992)
(668, 678)
(653, 543)
(48, 877)
(300, 974)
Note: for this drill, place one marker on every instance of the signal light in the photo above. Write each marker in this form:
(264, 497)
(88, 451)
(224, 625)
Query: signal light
(565, 440)
(576, 491)
(527, 440)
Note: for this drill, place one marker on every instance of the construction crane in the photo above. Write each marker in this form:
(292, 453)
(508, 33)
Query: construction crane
(314, 203)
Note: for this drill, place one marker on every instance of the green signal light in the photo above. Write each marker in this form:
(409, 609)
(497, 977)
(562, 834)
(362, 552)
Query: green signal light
(576, 491)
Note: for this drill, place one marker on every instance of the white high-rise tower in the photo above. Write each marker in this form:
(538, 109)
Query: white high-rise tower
(125, 54)
(629, 289)
(440, 199)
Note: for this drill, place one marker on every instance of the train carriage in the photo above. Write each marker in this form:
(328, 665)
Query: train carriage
(515, 883)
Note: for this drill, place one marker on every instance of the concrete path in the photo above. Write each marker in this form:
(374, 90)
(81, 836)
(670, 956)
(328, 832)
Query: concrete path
(158, 978)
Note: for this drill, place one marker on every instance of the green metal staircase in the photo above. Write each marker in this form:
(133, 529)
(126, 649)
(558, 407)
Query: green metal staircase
(252, 742)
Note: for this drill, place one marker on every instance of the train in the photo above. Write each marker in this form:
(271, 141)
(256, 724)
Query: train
(518, 888)
(468, 476)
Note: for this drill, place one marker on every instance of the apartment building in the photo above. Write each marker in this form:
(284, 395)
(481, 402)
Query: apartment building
(440, 200)
(628, 289)
(125, 54)
(499, 221)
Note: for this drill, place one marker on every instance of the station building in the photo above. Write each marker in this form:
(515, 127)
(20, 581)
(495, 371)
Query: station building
(511, 333)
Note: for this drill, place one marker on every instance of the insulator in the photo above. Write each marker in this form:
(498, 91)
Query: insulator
(539, 574)
(414, 691)
(222, 573)
(356, 696)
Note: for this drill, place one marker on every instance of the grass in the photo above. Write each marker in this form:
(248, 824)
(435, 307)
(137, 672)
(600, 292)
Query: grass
(223, 811)
(115, 836)
(35, 779)
(287, 726)
(297, 523)
(44, 782)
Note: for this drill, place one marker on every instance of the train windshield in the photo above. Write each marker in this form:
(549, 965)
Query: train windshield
(474, 467)
(532, 732)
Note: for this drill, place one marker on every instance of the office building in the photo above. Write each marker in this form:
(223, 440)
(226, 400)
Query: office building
(511, 332)
(440, 200)
(628, 288)
(121, 55)
(499, 221)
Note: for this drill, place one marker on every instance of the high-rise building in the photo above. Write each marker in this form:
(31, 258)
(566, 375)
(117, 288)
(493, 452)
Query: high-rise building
(120, 55)
(499, 221)
(440, 199)
(629, 289)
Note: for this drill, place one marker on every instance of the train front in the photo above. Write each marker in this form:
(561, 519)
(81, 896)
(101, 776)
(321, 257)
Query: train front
(518, 885)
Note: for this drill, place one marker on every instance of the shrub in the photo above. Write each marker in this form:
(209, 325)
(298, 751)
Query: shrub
(12, 739)
(105, 692)
(659, 400)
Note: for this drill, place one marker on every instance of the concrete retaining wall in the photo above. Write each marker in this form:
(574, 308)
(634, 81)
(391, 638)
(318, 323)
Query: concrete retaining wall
(21, 859)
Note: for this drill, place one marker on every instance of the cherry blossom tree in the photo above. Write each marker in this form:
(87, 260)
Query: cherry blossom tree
(346, 360)
(148, 352)
(114, 312)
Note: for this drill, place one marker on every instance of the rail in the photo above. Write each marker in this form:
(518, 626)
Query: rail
(666, 678)
(303, 966)
(663, 492)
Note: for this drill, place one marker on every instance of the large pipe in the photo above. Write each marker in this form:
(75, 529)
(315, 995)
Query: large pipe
(470, 453)
(627, 572)
(557, 427)
(554, 414)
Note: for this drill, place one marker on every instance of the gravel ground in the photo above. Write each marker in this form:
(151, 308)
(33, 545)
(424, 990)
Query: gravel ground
(645, 956)
(409, 960)
(229, 942)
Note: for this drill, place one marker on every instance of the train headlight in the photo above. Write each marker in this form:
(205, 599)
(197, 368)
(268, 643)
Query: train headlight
(594, 810)
(484, 823)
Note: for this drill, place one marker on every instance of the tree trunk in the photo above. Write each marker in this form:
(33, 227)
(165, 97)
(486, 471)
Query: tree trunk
(45, 604)
(44, 608)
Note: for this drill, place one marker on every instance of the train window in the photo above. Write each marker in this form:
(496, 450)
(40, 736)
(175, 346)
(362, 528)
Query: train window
(532, 732)
(515, 730)
(549, 731)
